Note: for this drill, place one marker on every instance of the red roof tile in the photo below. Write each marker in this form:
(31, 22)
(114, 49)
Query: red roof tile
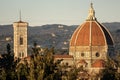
(63, 56)
(98, 64)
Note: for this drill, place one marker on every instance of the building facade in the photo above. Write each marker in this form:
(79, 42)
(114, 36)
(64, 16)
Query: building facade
(20, 39)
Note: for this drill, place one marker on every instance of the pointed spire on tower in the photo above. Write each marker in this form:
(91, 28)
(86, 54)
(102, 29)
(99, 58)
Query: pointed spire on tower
(20, 16)
(91, 14)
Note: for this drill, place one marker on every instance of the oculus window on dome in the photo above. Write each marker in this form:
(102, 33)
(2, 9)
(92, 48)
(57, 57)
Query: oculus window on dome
(97, 54)
(82, 54)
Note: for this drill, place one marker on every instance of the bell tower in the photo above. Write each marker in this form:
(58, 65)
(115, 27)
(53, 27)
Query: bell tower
(20, 38)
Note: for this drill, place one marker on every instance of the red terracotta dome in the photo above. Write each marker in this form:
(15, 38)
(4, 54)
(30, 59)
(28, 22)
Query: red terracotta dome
(91, 33)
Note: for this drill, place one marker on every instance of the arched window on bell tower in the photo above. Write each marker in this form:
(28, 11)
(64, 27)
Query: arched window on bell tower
(21, 54)
(21, 40)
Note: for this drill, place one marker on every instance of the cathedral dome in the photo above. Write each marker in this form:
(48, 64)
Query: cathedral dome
(91, 33)
(91, 43)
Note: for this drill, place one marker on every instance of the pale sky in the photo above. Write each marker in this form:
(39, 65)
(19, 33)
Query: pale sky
(69, 12)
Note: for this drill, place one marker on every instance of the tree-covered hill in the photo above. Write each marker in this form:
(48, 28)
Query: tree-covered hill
(52, 35)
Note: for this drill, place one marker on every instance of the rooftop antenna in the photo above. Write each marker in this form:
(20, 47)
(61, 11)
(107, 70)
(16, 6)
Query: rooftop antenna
(20, 15)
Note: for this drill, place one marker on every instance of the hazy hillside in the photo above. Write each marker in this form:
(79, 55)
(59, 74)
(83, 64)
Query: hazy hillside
(112, 26)
(55, 35)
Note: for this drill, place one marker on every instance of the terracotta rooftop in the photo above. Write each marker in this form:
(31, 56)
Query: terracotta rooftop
(63, 56)
(98, 64)
(82, 61)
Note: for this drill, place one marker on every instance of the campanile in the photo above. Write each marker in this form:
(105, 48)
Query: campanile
(20, 39)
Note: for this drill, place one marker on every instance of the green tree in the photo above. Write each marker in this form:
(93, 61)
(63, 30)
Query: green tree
(8, 48)
(110, 72)
(36, 49)
(2, 74)
(70, 72)
(8, 65)
(117, 58)
(43, 67)
(22, 70)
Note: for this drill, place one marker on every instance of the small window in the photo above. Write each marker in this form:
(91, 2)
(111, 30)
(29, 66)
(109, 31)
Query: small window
(82, 54)
(21, 41)
(97, 54)
(21, 54)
